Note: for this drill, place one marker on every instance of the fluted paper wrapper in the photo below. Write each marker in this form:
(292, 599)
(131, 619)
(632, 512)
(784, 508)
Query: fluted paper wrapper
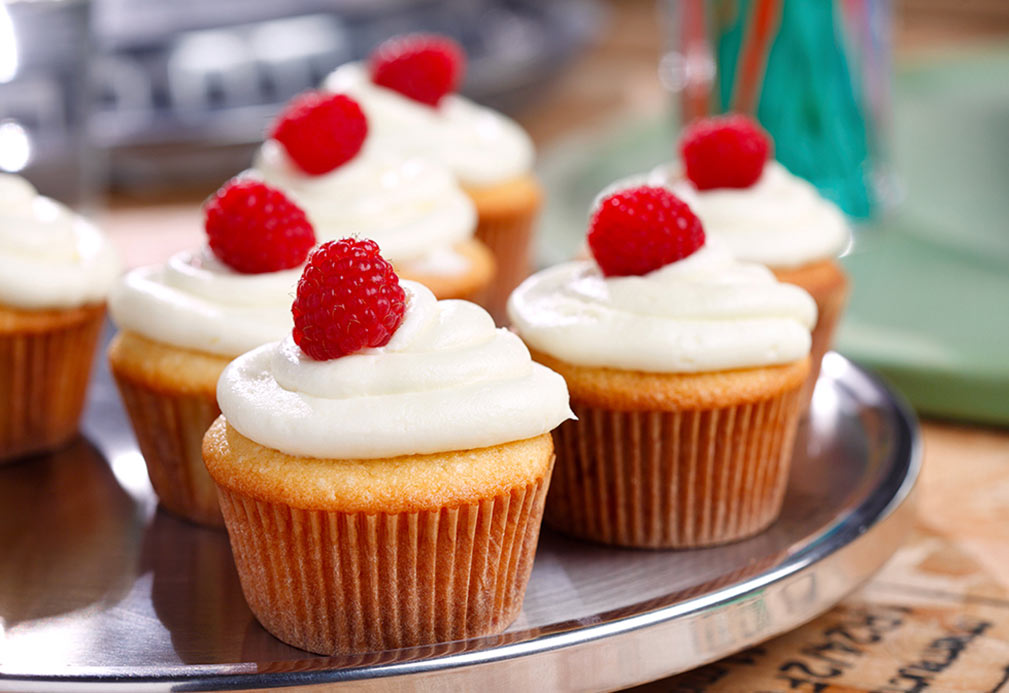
(169, 429)
(43, 380)
(660, 479)
(509, 239)
(829, 305)
(335, 583)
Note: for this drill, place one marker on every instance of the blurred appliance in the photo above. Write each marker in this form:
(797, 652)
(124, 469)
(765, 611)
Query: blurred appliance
(181, 91)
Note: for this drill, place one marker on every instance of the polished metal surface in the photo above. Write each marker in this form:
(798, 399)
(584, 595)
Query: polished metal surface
(101, 591)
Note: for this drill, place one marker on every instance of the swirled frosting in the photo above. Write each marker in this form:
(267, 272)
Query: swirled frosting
(447, 380)
(480, 146)
(411, 207)
(707, 312)
(194, 301)
(50, 257)
(781, 221)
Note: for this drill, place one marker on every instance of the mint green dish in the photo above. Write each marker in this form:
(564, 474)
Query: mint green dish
(930, 302)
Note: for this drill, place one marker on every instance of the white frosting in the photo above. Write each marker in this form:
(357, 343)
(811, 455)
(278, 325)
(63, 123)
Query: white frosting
(781, 221)
(707, 312)
(196, 302)
(480, 146)
(447, 380)
(411, 207)
(50, 258)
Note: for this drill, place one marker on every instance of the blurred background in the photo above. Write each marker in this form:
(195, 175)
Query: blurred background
(135, 110)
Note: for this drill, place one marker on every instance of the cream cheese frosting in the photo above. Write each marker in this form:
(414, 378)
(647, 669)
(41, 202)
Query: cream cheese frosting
(50, 257)
(447, 380)
(411, 207)
(194, 301)
(706, 312)
(480, 146)
(781, 221)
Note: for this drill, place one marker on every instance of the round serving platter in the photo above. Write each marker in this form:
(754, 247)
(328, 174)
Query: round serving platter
(100, 590)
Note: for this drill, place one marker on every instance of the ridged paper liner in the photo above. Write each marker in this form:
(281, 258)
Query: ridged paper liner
(333, 582)
(43, 380)
(827, 283)
(829, 305)
(509, 239)
(169, 429)
(660, 479)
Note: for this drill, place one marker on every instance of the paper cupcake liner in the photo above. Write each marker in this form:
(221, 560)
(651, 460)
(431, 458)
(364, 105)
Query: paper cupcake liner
(828, 285)
(44, 379)
(672, 479)
(830, 306)
(169, 429)
(509, 239)
(333, 582)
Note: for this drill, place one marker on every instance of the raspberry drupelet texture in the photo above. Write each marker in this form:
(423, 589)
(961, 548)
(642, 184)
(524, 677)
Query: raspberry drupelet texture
(724, 152)
(423, 67)
(638, 230)
(348, 299)
(321, 132)
(254, 228)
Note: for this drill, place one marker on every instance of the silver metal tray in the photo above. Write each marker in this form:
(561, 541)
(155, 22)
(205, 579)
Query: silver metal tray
(101, 591)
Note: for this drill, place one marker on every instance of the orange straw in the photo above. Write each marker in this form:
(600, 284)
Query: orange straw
(753, 54)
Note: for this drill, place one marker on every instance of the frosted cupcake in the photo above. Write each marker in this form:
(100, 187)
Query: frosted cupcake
(684, 367)
(764, 214)
(382, 470)
(182, 322)
(321, 153)
(55, 271)
(407, 89)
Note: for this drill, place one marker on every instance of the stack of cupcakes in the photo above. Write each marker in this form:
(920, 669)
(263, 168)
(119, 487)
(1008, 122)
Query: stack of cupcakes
(381, 458)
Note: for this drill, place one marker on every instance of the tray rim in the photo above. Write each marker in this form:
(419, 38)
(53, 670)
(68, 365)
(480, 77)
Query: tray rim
(896, 509)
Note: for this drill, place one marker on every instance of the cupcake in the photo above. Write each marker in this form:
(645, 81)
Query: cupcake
(182, 322)
(764, 214)
(321, 153)
(382, 470)
(55, 271)
(407, 89)
(684, 367)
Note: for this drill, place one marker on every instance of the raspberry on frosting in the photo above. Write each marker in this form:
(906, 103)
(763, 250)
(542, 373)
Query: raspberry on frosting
(423, 67)
(724, 152)
(254, 228)
(638, 230)
(348, 299)
(320, 131)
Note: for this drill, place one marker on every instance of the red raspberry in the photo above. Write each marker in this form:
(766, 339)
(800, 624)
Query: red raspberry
(423, 67)
(724, 152)
(254, 228)
(321, 131)
(348, 298)
(638, 230)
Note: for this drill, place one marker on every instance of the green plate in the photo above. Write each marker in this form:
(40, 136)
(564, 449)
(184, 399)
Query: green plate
(930, 301)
